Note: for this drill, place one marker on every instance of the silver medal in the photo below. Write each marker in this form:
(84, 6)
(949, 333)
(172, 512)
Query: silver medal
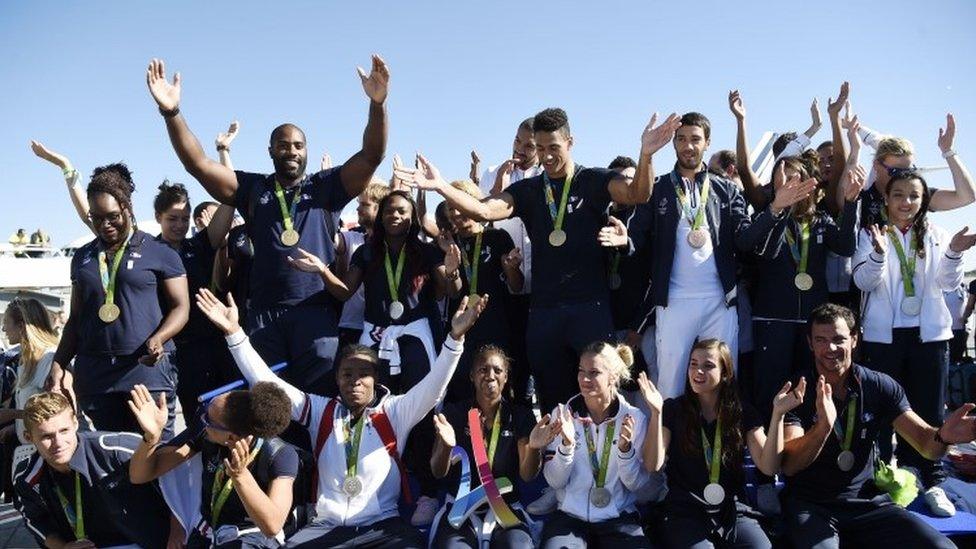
(845, 460)
(396, 310)
(352, 486)
(714, 494)
(911, 305)
(697, 238)
(599, 497)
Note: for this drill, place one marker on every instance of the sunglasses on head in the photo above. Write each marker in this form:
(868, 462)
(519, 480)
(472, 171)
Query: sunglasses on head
(901, 173)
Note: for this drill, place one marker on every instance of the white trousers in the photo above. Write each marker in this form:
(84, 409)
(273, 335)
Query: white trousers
(678, 326)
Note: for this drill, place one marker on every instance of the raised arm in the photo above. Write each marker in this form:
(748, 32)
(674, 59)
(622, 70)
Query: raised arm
(752, 187)
(444, 442)
(427, 177)
(150, 460)
(219, 226)
(851, 163)
(220, 181)
(223, 141)
(840, 155)
(658, 437)
(769, 446)
(358, 170)
(638, 190)
(958, 428)
(78, 198)
(802, 448)
(964, 192)
(563, 448)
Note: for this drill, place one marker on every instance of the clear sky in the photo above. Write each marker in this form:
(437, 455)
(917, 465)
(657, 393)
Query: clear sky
(463, 75)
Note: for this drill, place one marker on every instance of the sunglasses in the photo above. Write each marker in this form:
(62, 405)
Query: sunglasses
(205, 418)
(901, 173)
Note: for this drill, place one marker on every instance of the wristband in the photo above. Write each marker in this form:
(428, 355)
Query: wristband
(67, 171)
(948, 154)
(223, 148)
(938, 437)
(170, 114)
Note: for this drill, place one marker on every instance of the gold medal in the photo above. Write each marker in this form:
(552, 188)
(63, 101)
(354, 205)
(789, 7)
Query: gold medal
(109, 313)
(289, 237)
(697, 238)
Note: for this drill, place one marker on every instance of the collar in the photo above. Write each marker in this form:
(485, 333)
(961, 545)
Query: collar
(577, 405)
(380, 394)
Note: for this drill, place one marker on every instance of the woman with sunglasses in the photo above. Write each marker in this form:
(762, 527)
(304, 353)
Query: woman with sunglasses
(512, 440)
(247, 474)
(902, 266)
(356, 436)
(701, 437)
(128, 300)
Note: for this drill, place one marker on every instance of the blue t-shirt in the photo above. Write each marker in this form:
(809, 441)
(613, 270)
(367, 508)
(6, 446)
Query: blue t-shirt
(576, 271)
(417, 291)
(145, 265)
(197, 256)
(273, 280)
(880, 399)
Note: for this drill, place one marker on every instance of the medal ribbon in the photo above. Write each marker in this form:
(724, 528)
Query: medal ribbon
(614, 262)
(713, 452)
(802, 252)
(393, 280)
(698, 218)
(288, 213)
(109, 278)
(846, 437)
(471, 267)
(218, 499)
(599, 469)
(353, 436)
(907, 264)
(75, 516)
(558, 215)
(496, 428)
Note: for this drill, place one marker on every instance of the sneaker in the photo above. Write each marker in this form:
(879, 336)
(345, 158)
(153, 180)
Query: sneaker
(423, 515)
(767, 499)
(545, 504)
(939, 503)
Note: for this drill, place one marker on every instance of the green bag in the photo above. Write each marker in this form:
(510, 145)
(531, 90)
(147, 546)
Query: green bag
(898, 483)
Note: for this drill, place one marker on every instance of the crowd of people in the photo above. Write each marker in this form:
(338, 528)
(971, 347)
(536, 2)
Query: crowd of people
(637, 336)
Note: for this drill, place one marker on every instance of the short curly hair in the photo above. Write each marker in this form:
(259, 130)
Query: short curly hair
(115, 180)
(264, 411)
(551, 120)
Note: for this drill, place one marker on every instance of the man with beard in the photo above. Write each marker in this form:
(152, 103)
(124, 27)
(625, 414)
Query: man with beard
(699, 220)
(563, 209)
(291, 316)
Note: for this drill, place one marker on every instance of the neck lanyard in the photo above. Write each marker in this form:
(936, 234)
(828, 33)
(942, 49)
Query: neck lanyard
(219, 498)
(847, 436)
(75, 516)
(354, 435)
(907, 264)
(109, 278)
(393, 279)
(802, 251)
(560, 213)
(288, 213)
(496, 428)
(600, 468)
(696, 219)
(471, 267)
(713, 452)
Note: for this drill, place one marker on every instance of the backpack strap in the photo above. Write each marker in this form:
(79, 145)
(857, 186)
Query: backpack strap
(385, 429)
(325, 431)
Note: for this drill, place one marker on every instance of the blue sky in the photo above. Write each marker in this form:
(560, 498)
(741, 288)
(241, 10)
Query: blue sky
(463, 75)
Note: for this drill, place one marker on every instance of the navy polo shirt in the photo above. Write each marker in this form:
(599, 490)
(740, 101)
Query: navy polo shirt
(197, 256)
(576, 271)
(687, 471)
(273, 281)
(880, 400)
(145, 265)
(417, 291)
(516, 423)
(495, 244)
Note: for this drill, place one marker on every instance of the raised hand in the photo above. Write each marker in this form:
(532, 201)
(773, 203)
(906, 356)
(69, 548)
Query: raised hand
(854, 183)
(326, 163)
(465, 317)
(475, 172)
(444, 431)
(959, 426)
(826, 410)
(961, 241)
(834, 107)
(544, 432)
(654, 138)
(788, 399)
(151, 415)
(626, 439)
(224, 139)
(235, 465)
(377, 83)
(167, 95)
(452, 259)
(513, 259)
(307, 262)
(793, 191)
(395, 182)
(815, 120)
(43, 152)
(426, 177)
(225, 317)
(567, 428)
(878, 239)
(853, 125)
(652, 397)
(736, 105)
(948, 135)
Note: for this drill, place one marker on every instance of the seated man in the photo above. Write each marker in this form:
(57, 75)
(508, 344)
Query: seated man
(829, 453)
(356, 436)
(75, 491)
(247, 476)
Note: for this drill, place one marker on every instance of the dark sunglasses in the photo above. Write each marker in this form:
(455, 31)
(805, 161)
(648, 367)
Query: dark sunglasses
(205, 418)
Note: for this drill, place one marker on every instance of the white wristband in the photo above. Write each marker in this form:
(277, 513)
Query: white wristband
(949, 154)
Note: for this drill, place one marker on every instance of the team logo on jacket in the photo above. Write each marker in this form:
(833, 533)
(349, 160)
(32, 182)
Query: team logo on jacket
(662, 206)
(265, 197)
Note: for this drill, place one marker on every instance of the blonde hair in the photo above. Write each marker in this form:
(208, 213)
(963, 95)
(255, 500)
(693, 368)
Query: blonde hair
(618, 358)
(375, 191)
(42, 407)
(39, 335)
(893, 146)
(468, 186)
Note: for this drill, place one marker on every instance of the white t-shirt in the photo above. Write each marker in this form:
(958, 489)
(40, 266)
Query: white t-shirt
(694, 273)
(514, 226)
(31, 387)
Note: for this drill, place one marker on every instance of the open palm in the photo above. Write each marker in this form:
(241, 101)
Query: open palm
(167, 95)
(376, 84)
